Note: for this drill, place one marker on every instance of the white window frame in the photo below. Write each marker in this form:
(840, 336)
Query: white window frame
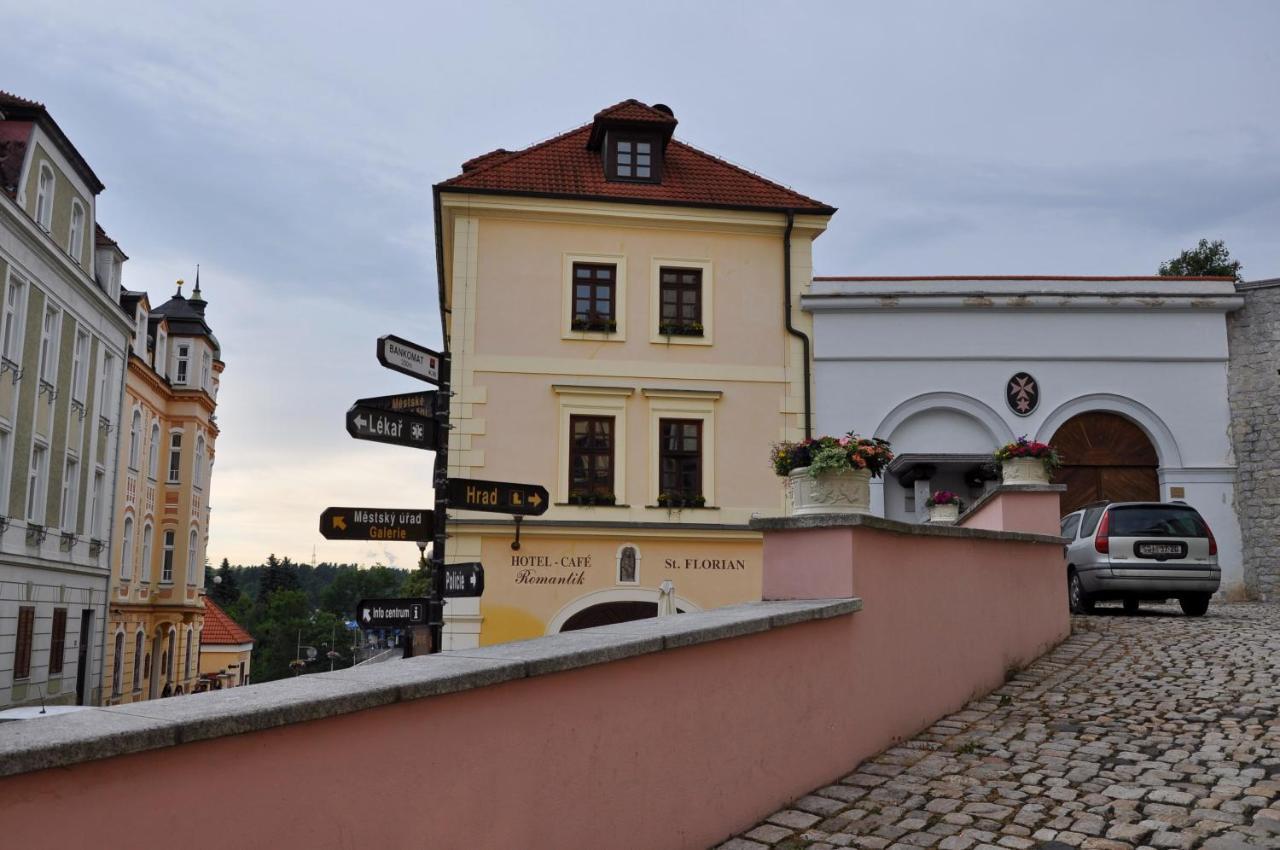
(135, 439)
(160, 359)
(117, 672)
(182, 360)
(94, 526)
(44, 197)
(657, 264)
(593, 401)
(48, 369)
(619, 295)
(80, 366)
(186, 656)
(683, 404)
(206, 370)
(75, 236)
(6, 466)
(174, 475)
(145, 569)
(197, 464)
(193, 548)
(37, 484)
(153, 452)
(70, 488)
(126, 550)
(105, 388)
(14, 301)
(166, 563)
(139, 653)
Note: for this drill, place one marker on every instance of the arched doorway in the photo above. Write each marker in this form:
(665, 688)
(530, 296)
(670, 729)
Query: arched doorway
(607, 613)
(1106, 456)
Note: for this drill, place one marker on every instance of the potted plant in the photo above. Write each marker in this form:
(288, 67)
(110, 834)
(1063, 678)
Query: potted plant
(1027, 462)
(670, 328)
(598, 325)
(591, 497)
(944, 506)
(677, 499)
(831, 474)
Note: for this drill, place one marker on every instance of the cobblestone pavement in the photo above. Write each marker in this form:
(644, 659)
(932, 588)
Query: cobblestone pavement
(1152, 731)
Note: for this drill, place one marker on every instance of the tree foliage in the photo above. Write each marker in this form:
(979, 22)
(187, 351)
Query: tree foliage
(1208, 259)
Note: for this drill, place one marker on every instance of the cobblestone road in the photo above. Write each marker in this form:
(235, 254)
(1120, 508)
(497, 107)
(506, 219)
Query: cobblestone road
(1153, 731)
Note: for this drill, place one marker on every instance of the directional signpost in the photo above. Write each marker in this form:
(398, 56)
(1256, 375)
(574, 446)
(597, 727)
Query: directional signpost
(463, 579)
(384, 426)
(376, 524)
(391, 613)
(498, 497)
(418, 404)
(410, 358)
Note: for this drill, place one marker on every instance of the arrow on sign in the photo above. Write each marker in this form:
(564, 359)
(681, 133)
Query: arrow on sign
(340, 523)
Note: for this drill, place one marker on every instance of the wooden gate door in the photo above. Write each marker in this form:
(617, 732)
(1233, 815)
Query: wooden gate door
(1105, 457)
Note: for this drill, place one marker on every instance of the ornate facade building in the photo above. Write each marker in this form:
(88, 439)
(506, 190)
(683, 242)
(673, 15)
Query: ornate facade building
(156, 605)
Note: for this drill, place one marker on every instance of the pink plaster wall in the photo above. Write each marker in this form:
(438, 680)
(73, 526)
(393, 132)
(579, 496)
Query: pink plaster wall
(677, 749)
(1039, 512)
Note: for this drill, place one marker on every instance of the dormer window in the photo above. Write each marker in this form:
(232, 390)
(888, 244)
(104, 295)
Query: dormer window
(634, 158)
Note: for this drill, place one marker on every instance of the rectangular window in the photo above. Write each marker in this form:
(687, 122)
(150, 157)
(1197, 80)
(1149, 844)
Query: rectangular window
(591, 459)
(49, 346)
(679, 460)
(4, 467)
(633, 158)
(58, 640)
(184, 357)
(70, 485)
(26, 631)
(166, 568)
(36, 479)
(206, 368)
(681, 302)
(106, 397)
(11, 331)
(594, 297)
(80, 367)
(96, 506)
(175, 458)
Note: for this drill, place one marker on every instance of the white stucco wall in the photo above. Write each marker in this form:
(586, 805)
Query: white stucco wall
(925, 363)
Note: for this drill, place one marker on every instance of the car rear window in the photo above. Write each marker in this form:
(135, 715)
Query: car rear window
(1090, 522)
(1156, 521)
(1070, 525)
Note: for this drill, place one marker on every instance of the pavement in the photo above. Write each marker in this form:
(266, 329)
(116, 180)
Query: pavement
(1149, 731)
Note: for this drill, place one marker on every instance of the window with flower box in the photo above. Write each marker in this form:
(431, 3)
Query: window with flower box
(681, 300)
(680, 463)
(595, 297)
(591, 460)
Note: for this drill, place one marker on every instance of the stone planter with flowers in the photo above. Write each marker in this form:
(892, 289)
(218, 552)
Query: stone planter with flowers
(1027, 462)
(831, 475)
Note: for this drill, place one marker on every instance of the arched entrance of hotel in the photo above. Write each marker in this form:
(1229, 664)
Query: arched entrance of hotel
(1106, 456)
(607, 613)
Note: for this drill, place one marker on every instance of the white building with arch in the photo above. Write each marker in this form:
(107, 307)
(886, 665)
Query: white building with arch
(1127, 374)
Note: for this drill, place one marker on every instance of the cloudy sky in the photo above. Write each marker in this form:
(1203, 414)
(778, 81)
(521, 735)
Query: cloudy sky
(289, 148)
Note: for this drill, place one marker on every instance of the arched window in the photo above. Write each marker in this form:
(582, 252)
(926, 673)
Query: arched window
(186, 657)
(137, 661)
(44, 197)
(75, 241)
(117, 670)
(192, 543)
(628, 565)
(168, 655)
(135, 438)
(126, 550)
(153, 457)
(144, 569)
(198, 464)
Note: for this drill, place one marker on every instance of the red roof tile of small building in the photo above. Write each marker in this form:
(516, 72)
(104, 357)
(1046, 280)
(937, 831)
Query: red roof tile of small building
(219, 629)
(565, 166)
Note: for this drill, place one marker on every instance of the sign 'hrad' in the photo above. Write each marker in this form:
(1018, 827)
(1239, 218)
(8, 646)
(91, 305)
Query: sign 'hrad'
(499, 497)
(377, 524)
(464, 579)
(391, 613)
(410, 358)
(385, 426)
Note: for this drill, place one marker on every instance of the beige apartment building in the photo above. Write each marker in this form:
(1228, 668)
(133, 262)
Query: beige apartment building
(623, 315)
(156, 605)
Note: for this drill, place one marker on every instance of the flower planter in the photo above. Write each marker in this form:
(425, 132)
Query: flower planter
(1024, 470)
(845, 492)
(944, 514)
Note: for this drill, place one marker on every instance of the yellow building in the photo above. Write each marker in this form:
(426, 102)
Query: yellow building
(155, 604)
(623, 315)
(226, 651)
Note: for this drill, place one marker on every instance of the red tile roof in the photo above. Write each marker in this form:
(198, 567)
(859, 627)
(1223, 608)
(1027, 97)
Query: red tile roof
(565, 167)
(21, 109)
(219, 629)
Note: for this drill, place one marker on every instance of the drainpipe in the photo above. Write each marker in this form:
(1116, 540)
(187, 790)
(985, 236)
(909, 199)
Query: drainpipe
(792, 329)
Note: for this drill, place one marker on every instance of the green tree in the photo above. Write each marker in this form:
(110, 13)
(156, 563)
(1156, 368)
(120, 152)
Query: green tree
(1208, 259)
(224, 587)
(277, 575)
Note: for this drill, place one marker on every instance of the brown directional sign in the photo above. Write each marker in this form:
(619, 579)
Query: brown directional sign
(385, 426)
(392, 613)
(418, 404)
(463, 579)
(377, 524)
(399, 354)
(498, 497)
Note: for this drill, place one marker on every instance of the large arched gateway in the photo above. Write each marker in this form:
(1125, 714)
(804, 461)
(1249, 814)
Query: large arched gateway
(1106, 456)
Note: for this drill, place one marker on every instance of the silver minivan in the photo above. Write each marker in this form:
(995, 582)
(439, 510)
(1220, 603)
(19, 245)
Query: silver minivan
(1140, 551)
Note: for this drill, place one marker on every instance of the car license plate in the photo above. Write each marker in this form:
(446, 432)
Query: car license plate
(1160, 550)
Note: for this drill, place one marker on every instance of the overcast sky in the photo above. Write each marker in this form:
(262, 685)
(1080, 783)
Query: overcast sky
(289, 148)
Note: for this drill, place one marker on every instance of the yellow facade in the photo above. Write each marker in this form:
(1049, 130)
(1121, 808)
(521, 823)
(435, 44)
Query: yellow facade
(520, 373)
(155, 604)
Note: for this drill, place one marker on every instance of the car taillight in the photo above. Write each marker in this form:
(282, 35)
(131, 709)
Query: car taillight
(1213, 543)
(1102, 542)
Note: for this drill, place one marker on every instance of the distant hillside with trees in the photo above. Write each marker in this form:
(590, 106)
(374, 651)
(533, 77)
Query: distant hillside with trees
(282, 603)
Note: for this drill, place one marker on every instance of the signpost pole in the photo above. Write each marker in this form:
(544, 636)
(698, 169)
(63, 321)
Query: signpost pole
(441, 482)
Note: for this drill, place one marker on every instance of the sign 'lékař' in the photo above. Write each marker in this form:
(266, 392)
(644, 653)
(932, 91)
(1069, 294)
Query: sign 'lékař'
(377, 524)
(385, 426)
(499, 497)
(401, 355)
(391, 613)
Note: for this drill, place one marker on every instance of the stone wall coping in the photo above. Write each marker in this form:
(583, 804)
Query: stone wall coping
(1010, 488)
(96, 733)
(799, 523)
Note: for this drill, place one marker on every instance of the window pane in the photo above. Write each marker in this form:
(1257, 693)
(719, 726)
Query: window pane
(624, 146)
(642, 171)
(642, 147)
(604, 274)
(624, 171)
(624, 158)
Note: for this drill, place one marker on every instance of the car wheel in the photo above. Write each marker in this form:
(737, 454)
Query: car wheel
(1078, 599)
(1131, 606)
(1195, 604)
